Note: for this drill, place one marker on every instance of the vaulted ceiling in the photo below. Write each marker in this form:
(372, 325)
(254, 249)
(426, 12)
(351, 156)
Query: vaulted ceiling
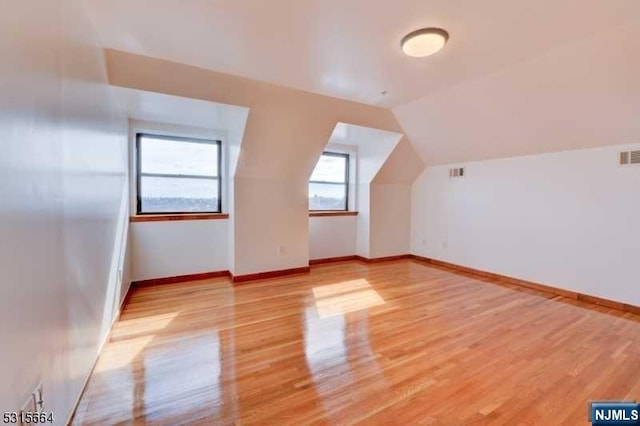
(350, 48)
(502, 52)
(579, 95)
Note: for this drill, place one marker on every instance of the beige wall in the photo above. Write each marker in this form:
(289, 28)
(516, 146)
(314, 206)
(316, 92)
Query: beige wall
(390, 220)
(64, 203)
(285, 134)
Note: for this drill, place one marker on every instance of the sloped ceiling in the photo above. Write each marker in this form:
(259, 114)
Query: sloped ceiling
(580, 95)
(162, 108)
(350, 48)
(516, 78)
(286, 128)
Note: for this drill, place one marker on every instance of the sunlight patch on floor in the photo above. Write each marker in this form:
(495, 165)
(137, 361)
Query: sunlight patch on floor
(345, 297)
(143, 325)
(123, 353)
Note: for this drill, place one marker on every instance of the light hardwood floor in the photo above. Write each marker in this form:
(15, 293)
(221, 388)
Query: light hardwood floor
(389, 343)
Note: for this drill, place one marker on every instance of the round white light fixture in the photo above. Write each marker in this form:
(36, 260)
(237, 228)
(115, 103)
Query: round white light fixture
(424, 42)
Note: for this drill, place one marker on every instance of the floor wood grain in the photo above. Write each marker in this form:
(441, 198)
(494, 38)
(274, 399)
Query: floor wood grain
(390, 343)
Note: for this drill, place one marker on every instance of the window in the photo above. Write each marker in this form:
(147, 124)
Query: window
(329, 183)
(177, 175)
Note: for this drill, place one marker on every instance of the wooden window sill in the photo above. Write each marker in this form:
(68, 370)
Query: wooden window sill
(174, 217)
(328, 213)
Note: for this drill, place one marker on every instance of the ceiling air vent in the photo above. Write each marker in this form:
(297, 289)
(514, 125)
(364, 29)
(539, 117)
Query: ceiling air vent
(457, 172)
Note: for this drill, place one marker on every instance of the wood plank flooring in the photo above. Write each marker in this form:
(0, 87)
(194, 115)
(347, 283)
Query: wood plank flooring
(390, 343)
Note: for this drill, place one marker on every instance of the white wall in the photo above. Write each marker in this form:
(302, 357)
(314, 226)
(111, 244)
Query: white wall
(236, 121)
(64, 209)
(332, 236)
(174, 248)
(568, 220)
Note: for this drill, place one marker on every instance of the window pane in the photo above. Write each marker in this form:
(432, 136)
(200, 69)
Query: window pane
(323, 196)
(330, 168)
(178, 157)
(177, 195)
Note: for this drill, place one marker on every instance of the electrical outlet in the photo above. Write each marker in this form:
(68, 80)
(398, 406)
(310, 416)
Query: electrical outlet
(38, 398)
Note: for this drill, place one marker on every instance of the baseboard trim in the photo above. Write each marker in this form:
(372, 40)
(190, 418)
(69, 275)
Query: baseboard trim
(237, 279)
(218, 274)
(359, 259)
(332, 260)
(609, 303)
(383, 259)
(106, 339)
(262, 275)
(181, 278)
(504, 279)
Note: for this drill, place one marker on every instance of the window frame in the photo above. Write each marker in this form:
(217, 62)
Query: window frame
(139, 174)
(347, 158)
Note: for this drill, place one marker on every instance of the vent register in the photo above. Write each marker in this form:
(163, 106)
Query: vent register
(457, 172)
(626, 158)
(629, 157)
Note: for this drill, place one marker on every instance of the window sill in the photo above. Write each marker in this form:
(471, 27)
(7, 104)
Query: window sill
(332, 213)
(174, 217)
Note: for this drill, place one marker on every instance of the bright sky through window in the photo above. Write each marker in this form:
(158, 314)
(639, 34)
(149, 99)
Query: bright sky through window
(178, 157)
(328, 186)
(178, 175)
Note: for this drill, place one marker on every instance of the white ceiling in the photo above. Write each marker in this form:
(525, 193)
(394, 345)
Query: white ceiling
(350, 48)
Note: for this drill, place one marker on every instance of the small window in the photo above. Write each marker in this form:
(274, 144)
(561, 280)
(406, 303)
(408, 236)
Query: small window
(177, 175)
(329, 183)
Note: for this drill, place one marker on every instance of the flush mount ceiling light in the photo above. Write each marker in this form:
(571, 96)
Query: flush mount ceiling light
(424, 42)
